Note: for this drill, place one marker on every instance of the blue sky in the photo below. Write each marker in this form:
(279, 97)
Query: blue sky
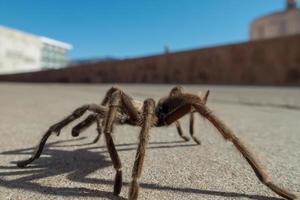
(130, 28)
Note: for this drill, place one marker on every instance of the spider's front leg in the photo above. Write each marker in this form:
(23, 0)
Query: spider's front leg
(114, 104)
(148, 122)
(260, 171)
(117, 100)
(56, 128)
(193, 101)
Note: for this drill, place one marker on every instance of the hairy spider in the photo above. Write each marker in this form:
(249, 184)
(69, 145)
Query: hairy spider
(92, 118)
(122, 109)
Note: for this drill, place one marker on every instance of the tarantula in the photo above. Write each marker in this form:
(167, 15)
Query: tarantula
(122, 109)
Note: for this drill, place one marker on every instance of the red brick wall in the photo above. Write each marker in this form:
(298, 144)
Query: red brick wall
(267, 62)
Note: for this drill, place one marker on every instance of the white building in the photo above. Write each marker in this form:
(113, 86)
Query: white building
(277, 24)
(21, 52)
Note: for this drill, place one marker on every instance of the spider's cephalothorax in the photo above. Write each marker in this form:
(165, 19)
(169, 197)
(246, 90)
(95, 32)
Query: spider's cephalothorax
(176, 105)
(118, 108)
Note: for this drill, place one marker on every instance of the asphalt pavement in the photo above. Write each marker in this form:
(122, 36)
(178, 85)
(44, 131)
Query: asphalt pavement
(266, 118)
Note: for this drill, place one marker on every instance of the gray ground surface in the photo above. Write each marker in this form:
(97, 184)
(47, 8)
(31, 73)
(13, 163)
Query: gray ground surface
(71, 168)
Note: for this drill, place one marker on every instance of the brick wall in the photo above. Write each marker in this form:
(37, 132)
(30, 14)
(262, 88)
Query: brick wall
(266, 62)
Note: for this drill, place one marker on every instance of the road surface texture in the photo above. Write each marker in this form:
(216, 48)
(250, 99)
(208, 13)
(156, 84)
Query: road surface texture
(267, 118)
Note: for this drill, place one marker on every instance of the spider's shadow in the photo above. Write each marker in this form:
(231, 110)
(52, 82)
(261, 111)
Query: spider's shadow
(78, 164)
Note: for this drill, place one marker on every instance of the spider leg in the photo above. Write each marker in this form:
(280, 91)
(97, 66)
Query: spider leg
(177, 91)
(91, 119)
(149, 106)
(118, 100)
(108, 126)
(99, 129)
(251, 158)
(260, 171)
(205, 97)
(108, 94)
(83, 125)
(180, 132)
(204, 100)
(192, 129)
(37, 152)
(56, 128)
(99, 123)
(86, 123)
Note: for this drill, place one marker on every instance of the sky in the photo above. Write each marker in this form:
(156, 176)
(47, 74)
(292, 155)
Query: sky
(132, 28)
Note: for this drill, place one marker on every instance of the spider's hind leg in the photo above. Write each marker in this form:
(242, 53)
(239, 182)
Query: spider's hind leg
(177, 91)
(180, 132)
(192, 116)
(56, 128)
(192, 129)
